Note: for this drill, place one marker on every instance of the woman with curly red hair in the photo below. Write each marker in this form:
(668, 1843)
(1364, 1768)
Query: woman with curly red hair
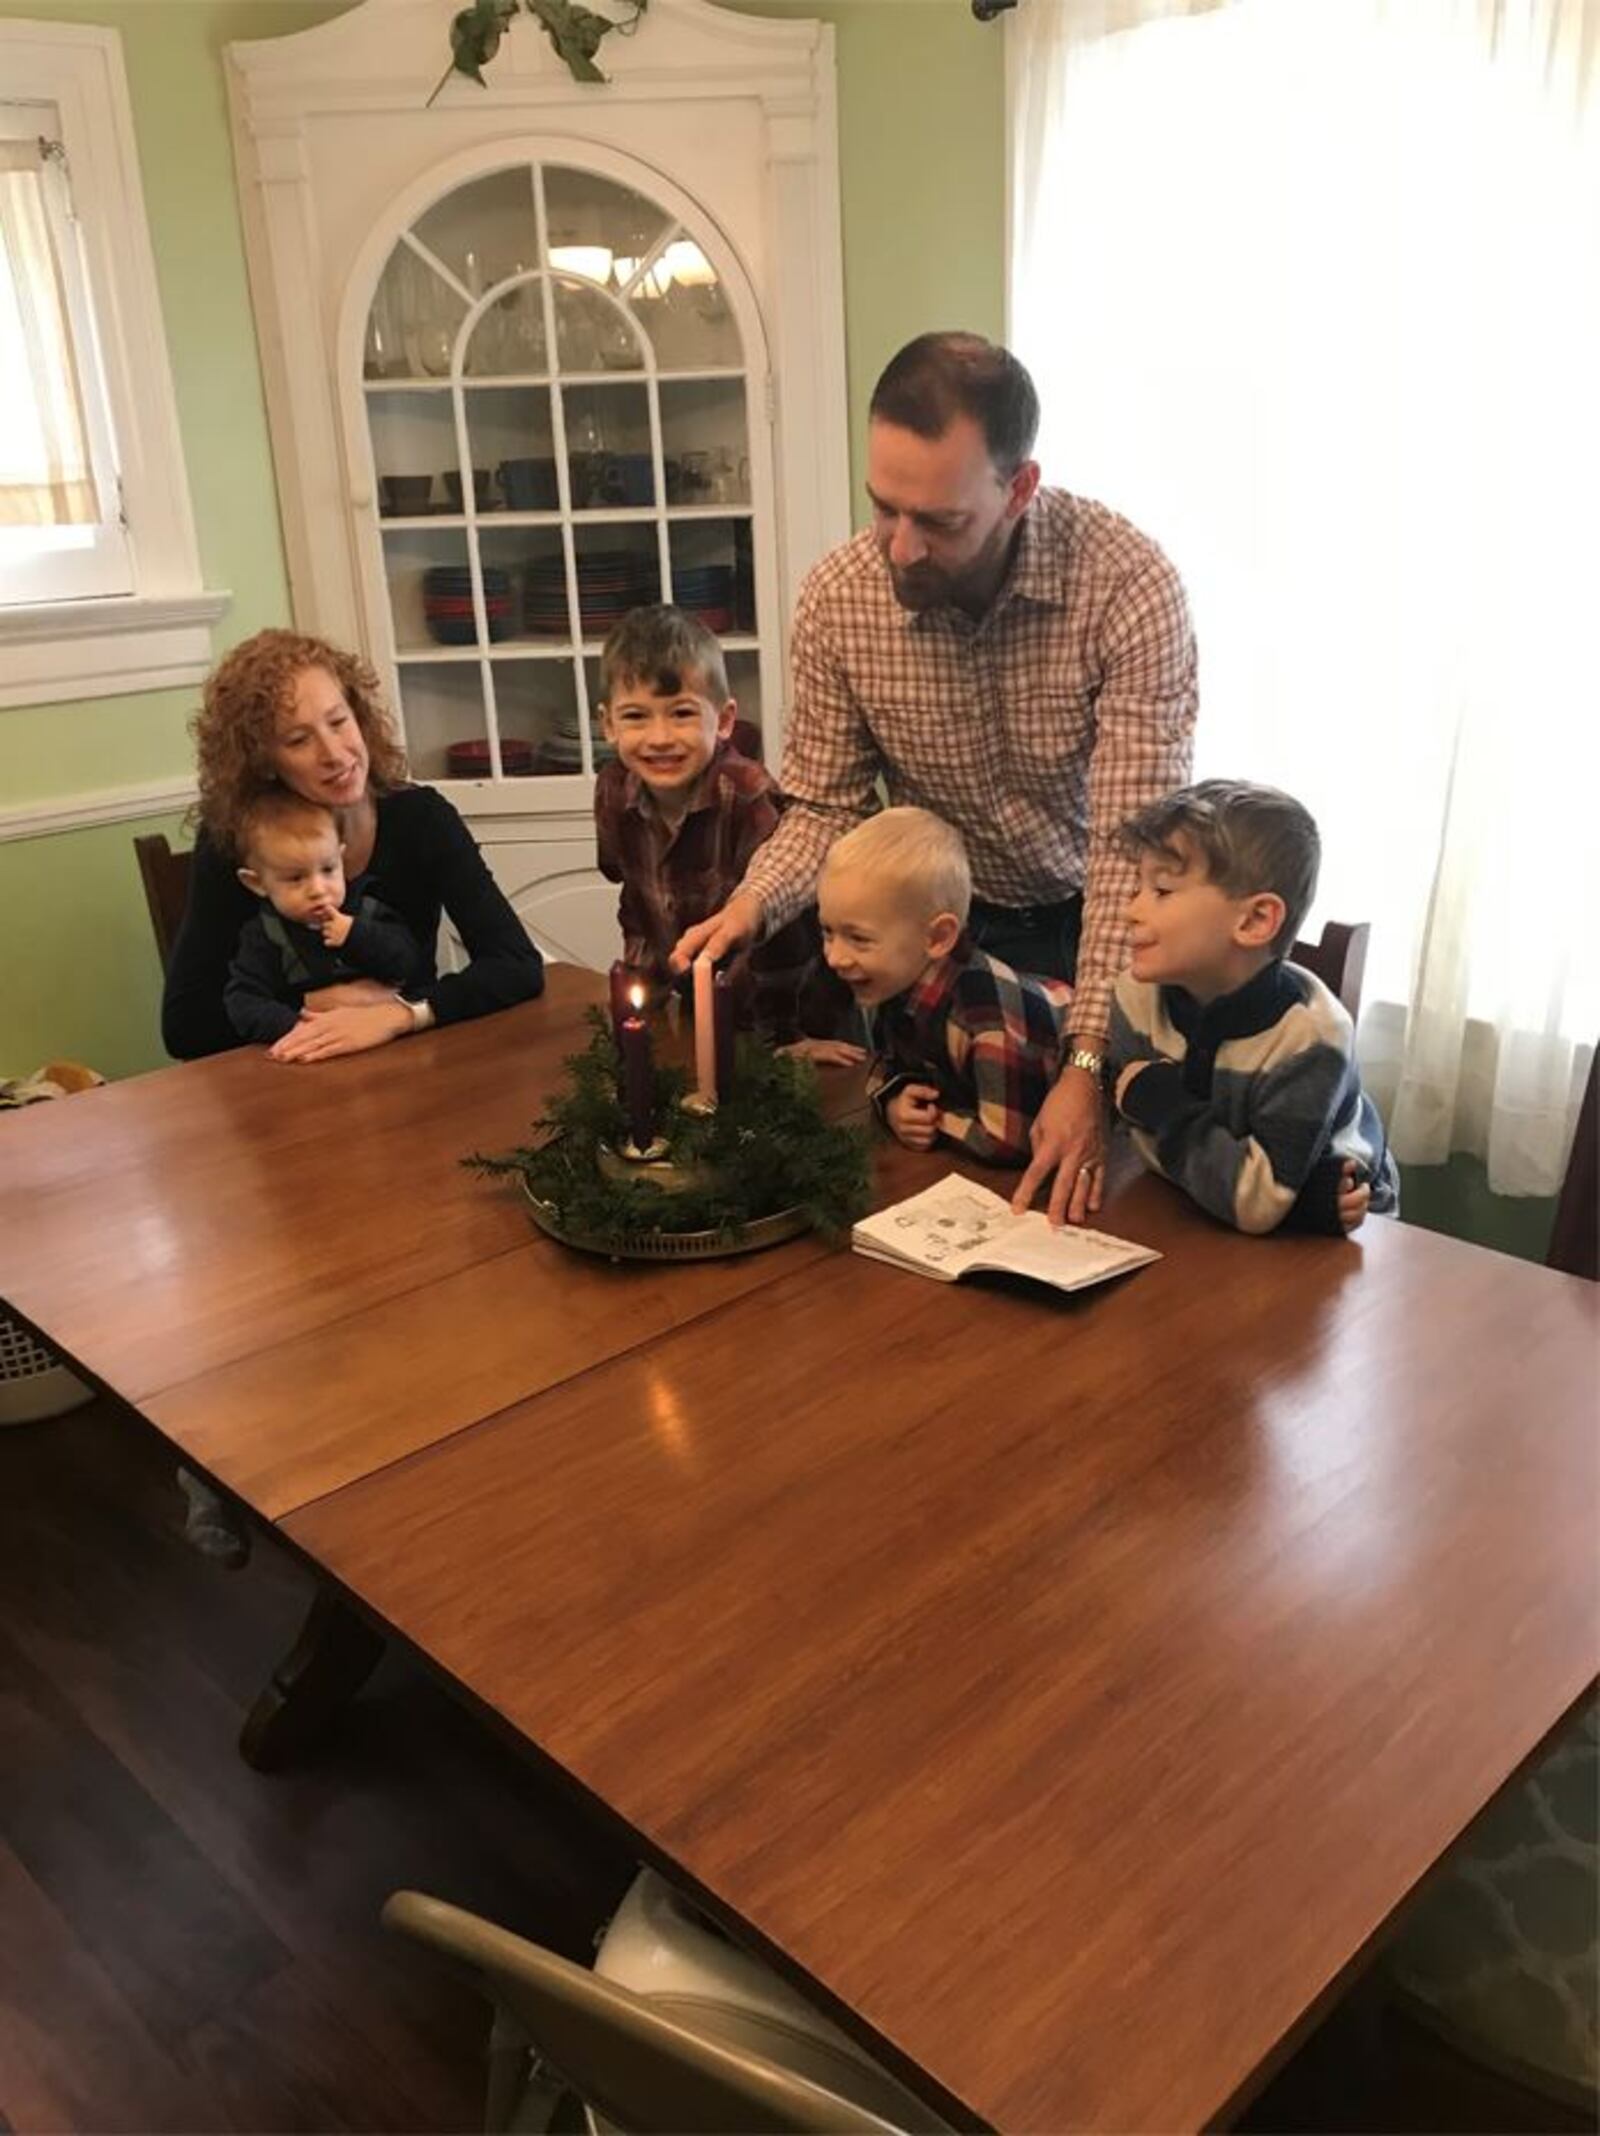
(292, 711)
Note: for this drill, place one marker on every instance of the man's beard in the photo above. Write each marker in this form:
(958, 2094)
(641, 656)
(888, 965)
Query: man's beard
(973, 587)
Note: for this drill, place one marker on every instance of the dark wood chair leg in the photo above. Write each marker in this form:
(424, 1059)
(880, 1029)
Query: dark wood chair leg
(327, 1665)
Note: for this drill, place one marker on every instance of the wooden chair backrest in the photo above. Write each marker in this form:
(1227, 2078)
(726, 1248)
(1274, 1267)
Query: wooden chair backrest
(165, 876)
(1339, 960)
(1575, 1241)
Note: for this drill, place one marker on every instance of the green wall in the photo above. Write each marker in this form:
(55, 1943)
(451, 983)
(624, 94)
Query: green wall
(81, 978)
(923, 178)
(923, 209)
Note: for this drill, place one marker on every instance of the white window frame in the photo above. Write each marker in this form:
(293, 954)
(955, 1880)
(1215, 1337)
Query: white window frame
(157, 632)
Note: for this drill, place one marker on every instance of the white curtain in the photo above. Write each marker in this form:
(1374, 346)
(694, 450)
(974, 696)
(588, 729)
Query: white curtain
(1311, 289)
(46, 478)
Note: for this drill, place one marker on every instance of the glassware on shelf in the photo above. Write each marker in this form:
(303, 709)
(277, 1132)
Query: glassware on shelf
(577, 335)
(617, 335)
(522, 326)
(429, 317)
(586, 456)
(383, 355)
(482, 355)
(434, 344)
(728, 478)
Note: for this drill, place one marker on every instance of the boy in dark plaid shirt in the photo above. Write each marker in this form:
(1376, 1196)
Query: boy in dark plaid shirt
(965, 1047)
(680, 812)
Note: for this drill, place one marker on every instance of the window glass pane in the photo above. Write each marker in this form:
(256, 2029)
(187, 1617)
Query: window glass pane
(46, 475)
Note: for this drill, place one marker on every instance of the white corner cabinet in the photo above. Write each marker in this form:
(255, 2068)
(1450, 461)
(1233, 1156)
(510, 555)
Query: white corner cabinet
(534, 355)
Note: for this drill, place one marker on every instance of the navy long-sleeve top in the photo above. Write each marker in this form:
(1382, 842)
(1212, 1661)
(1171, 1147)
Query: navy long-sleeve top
(425, 862)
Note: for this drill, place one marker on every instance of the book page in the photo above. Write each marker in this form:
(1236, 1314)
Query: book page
(1070, 1257)
(956, 1226)
(940, 1229)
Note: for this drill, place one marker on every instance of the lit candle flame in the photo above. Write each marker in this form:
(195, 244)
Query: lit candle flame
(636, 998)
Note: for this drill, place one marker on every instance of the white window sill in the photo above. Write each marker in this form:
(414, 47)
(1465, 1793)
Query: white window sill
(54, 650)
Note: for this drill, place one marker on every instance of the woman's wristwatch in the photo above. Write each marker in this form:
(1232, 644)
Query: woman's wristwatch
(422, 1016)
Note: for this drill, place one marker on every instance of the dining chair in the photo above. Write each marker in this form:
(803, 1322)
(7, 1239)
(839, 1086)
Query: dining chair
(682, 2056)
(1575, 1238)
(165, 876)
(1339, 960)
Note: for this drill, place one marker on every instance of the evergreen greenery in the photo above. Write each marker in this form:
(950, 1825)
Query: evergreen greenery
(766, 1148)
(574, 31)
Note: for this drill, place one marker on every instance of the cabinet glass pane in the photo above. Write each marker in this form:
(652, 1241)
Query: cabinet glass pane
(712, 573)
(536, 706)
(618, 569)
(594, 331)
(609, 462)
(430, 588)
(512, 444)
(412, 325)
(529, 560)
(508, 340)
(413, 441)
(704, 442)
(683, 308)
(598, 229)
(484, 231)
(442, 705)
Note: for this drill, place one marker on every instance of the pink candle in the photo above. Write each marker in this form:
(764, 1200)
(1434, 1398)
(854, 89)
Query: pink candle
(638, 1072)
(723, 1028)
(705, 1029)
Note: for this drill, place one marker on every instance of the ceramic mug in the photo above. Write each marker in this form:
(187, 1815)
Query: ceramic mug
(529, 485)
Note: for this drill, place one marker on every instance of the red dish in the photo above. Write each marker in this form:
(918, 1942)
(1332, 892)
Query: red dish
(470, 760)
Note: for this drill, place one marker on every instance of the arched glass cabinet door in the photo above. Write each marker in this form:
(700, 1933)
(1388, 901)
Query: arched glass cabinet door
(557, 398)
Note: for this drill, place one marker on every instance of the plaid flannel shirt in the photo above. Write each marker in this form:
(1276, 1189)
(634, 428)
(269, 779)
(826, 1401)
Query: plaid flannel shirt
(987, 1038)
(1035, 730)
(674, 876)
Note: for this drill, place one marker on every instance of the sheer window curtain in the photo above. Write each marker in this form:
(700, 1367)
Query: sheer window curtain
(46, 476)
(1311, 289)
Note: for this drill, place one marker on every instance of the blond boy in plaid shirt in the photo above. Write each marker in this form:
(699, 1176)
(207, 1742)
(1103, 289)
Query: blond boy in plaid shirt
(964, 1047)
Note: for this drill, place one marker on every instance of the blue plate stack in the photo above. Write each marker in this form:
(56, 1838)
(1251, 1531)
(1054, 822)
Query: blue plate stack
(610, 582)
(447, 604)
(706, 590)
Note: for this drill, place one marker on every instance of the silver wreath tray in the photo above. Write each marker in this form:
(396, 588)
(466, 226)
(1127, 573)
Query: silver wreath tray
(673, 1245)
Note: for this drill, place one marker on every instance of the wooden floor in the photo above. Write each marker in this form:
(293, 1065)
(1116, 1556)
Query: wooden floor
(185, 1945)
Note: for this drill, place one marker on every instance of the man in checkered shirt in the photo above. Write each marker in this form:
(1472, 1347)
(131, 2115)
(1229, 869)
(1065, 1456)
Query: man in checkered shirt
(1019, 661)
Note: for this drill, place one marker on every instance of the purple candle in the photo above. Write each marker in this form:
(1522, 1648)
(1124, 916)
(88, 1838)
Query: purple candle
(638, 1072)
(722, 1025)
(623, 986)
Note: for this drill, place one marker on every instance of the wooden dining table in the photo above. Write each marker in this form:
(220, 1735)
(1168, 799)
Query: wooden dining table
(1067, 1691)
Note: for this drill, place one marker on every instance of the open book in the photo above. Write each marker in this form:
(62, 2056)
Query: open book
(951, 1229)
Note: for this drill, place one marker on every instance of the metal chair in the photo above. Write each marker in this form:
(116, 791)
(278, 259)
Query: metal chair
(165, 876)
(1339, 960)
(680, 2058)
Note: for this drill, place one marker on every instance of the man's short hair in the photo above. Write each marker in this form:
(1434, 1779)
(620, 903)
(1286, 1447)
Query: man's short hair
(665, 648)
(940, 376)
(1251, 838)
(277, 809)
(916, 854)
